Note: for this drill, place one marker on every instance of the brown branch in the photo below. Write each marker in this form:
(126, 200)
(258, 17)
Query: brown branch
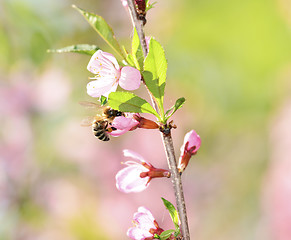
(177, 184)
(166, 137)
(138, 24)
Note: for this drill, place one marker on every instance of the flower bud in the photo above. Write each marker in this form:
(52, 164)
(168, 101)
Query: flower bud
(190, 147)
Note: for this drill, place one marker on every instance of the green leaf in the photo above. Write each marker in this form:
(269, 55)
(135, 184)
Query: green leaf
(178, 104)
(130, 60)
(103, 100)
(79, 48)
(103, 29)
(173, 212)
(155, 69)
(166, 234)
(129, 102)
(149, 6)
(136, 51)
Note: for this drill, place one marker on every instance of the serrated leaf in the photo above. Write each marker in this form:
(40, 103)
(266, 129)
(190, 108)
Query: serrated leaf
(166, 234)
(173, 212)
(103, 29)
(79, 48)
(136, 51)
(178, 104)
(155, 69)
(129, 102)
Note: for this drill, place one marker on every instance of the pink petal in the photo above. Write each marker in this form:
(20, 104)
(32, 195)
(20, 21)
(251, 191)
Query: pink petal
(101, 60)
(138, 234)
(118, 132)
(111, 58)
(145, 218)
(101, 87)
(104, 65)
(134, 155)
(124, 123)
(146, 211)
(194, 140)
(128, 179)
(144, 221)
(130, 78)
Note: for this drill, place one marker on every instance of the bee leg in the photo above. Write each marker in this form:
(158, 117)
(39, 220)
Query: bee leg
(111, 129)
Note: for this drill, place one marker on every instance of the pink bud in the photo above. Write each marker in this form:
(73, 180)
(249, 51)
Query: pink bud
(190, 147)
(108, 74)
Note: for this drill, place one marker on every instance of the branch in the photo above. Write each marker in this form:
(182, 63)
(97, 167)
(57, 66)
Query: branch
(138, 24)
(167, 138)
(177, 184)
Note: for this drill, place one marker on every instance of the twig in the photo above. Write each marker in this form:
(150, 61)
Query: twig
(177, 184)
(166, 137)
(138, 24)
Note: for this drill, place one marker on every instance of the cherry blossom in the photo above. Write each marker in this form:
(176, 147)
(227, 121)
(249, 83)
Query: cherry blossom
(123, 124)
(130, 122)
(190, 147)
(137, 175)
(109, 75)
(145, 225)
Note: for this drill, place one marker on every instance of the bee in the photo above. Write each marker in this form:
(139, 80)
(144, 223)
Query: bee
(101, 123)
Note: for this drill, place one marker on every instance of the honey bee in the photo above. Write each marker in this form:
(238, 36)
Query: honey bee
(101, 123)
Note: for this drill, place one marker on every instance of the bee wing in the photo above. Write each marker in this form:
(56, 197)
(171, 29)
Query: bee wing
(90, 105)
(86, 122)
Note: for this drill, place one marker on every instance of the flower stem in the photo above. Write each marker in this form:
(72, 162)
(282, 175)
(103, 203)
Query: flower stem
(167, 138)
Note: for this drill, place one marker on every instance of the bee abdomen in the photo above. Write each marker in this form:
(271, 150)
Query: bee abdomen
(99, 130)
(104, 137)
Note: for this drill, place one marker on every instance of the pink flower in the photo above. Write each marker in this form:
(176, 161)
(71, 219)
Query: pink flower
(123, 124)
(190, 147)
(145, 225)
(109, 75)
(137, 175)
(130, 122)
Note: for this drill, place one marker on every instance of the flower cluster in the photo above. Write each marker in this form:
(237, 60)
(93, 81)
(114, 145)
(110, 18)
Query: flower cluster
(145, 63)
(137, 173)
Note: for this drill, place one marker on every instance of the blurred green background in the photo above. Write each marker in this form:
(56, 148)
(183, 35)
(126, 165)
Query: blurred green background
(231, 61)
